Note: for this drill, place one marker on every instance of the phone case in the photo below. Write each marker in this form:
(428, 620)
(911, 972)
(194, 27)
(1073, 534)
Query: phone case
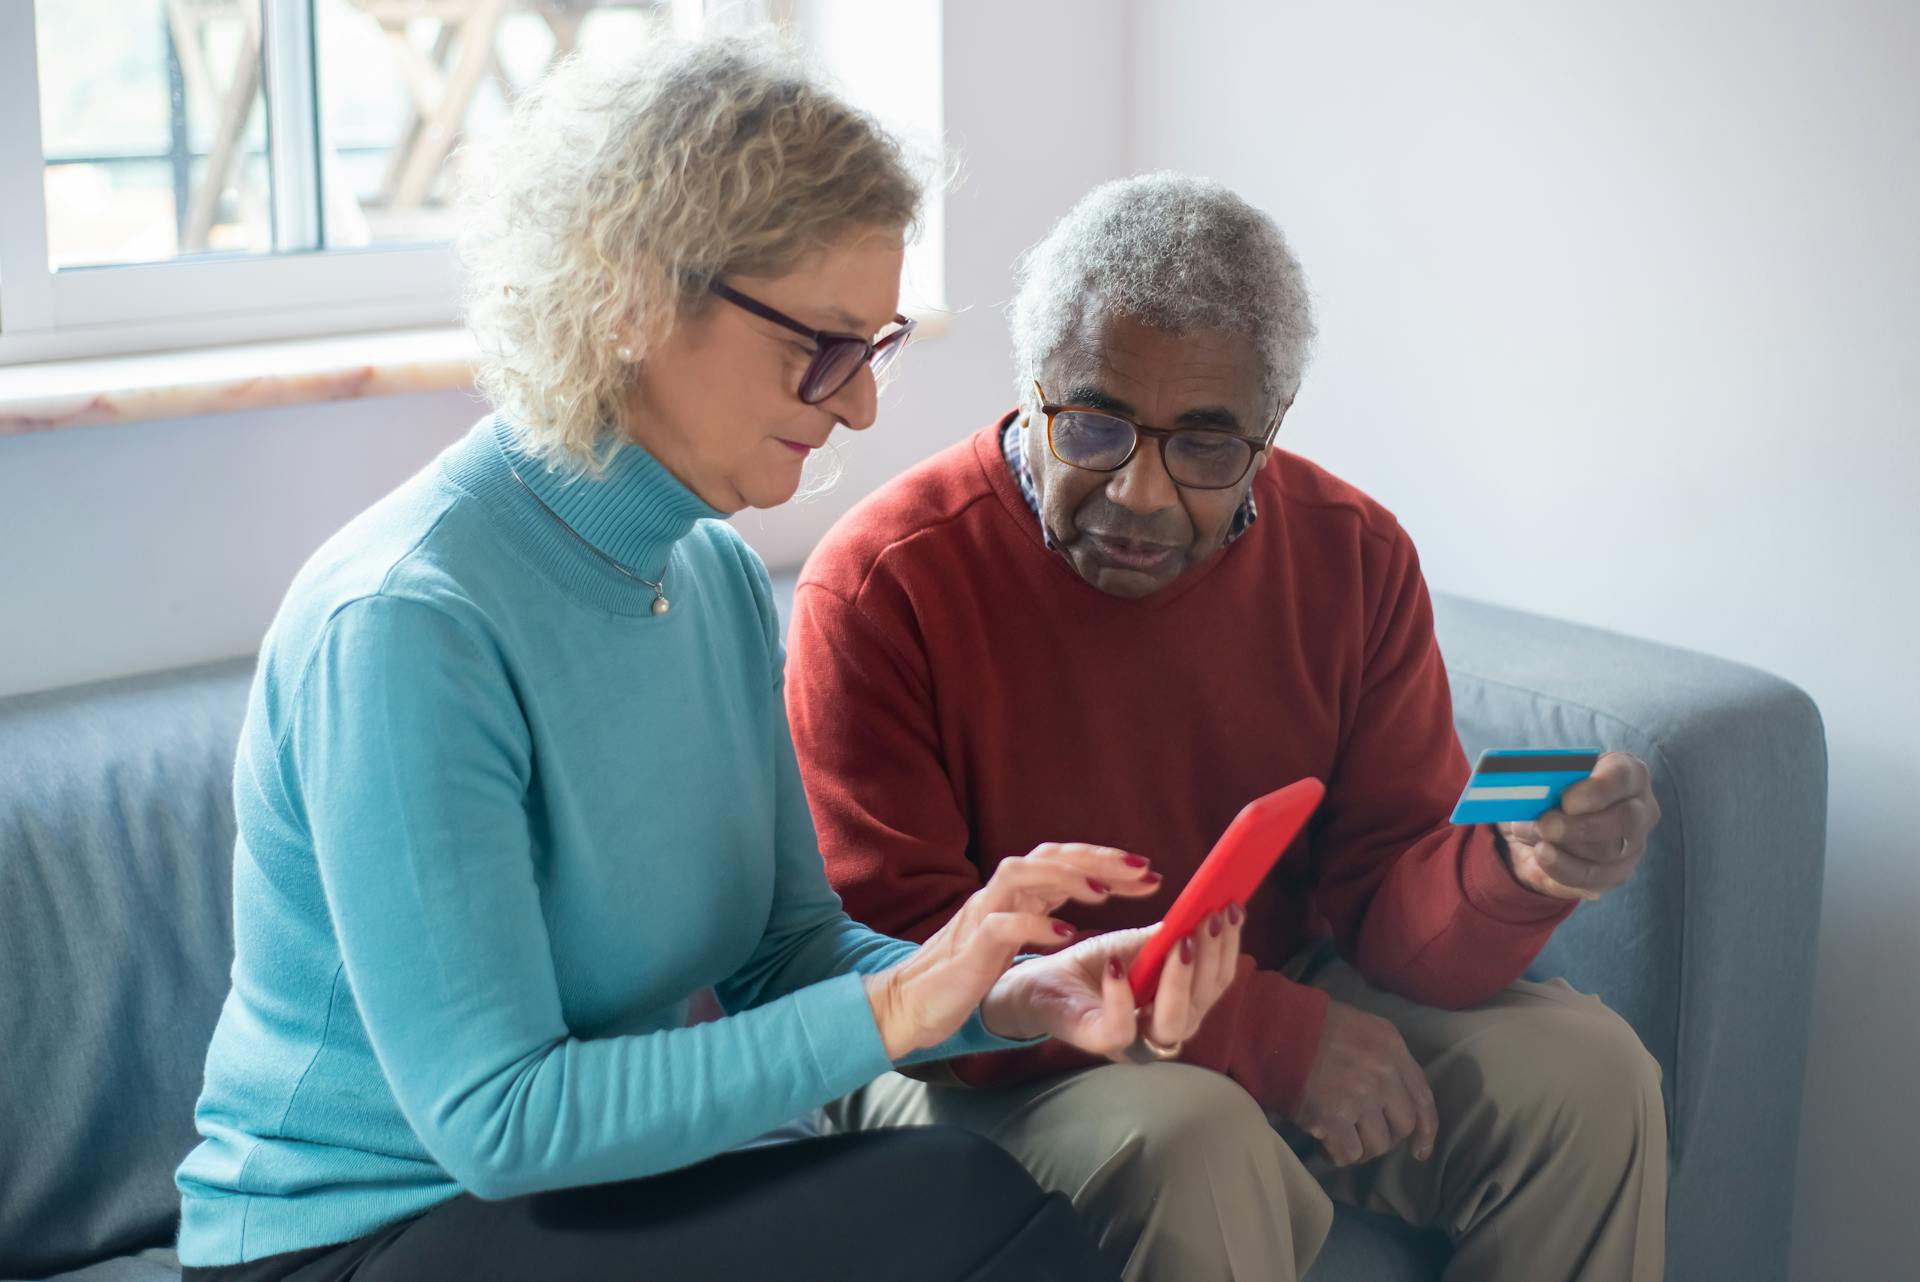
(1237, 864)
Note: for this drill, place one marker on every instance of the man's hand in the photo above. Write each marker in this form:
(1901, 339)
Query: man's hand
(1364, 1093)
(1595, 840)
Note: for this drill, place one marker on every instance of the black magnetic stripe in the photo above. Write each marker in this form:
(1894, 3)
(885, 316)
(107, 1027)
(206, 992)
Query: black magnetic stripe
(1556, 764)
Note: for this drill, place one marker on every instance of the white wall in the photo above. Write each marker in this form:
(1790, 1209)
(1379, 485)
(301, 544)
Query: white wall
(1620, 311)
(124, 549)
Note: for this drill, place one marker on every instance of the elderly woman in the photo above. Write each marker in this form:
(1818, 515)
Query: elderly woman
(516, 781)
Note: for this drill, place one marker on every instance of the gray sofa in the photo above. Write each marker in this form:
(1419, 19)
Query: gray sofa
(116, 831)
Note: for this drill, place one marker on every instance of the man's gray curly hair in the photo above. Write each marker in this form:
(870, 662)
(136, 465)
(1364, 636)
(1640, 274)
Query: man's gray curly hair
(618, 192)
(1172, 252)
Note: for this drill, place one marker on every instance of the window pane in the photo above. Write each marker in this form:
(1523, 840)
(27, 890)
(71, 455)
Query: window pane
(404, 82)
(153, 127)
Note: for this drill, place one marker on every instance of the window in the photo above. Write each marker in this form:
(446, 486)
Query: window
(179, 172)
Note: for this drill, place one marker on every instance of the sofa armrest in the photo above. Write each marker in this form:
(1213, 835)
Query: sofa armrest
(1709, 952)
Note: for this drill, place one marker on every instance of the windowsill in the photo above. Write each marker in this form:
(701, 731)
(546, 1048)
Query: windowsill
(117, 390)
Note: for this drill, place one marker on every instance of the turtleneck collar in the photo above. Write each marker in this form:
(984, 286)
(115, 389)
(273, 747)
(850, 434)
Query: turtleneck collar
(634, 513)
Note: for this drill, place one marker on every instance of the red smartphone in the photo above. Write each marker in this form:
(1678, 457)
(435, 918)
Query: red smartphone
(1238, 863)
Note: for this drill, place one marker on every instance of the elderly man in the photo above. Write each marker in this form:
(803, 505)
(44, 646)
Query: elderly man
(1120, 611)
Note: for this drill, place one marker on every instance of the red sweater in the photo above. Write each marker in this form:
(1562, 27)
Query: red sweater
(958, 695)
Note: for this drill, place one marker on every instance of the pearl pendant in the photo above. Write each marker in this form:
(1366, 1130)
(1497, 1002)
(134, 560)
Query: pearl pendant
(661, 605)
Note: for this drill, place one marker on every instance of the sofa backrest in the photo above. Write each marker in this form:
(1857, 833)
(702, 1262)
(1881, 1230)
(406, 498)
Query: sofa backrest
(1625, 949)
(116, 841)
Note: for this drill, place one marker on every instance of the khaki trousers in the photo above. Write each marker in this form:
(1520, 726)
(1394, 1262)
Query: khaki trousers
(1550, 1165)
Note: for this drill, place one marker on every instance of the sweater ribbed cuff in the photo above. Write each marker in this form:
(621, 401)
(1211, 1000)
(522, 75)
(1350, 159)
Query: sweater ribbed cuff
(1488, 882)
(1279, 1039)
(838, 1021)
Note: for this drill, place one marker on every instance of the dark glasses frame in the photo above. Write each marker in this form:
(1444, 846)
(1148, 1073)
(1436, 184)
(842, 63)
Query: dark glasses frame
(836, 357)
(1162, 434)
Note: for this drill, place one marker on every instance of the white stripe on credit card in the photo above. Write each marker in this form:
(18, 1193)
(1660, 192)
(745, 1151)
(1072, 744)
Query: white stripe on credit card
(1524, 792)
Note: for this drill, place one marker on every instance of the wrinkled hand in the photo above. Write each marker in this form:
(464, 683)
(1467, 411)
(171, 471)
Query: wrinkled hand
(1593, 843)
(1081, 996)
(1365, 1094)
(925, 999)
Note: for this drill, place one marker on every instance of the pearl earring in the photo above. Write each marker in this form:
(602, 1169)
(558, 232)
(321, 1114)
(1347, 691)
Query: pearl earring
(625, 353)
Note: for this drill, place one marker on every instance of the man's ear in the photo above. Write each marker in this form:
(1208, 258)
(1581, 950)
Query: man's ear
(1273, 449)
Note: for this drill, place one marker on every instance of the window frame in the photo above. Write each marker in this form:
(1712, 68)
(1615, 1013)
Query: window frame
(310, 291)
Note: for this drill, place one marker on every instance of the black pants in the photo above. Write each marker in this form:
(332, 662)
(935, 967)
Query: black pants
(930, 1204)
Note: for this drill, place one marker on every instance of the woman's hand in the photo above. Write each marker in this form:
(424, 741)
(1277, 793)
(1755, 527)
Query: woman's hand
(1081, 996)
(924, 1000)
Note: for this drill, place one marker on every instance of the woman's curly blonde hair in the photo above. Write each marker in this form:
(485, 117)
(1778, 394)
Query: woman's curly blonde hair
(617, 193)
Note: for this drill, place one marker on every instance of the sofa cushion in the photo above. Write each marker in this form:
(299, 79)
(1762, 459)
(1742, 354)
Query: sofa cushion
(1364, 1247)
(116, 838)
(159, 1264)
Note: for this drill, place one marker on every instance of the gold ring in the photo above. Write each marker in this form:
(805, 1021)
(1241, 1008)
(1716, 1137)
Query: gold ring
(1147, 1051)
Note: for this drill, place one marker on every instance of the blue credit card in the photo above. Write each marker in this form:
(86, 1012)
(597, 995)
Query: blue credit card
(1513, 785)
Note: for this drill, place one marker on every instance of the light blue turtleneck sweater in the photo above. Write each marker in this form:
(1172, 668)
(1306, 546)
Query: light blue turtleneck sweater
(497, 822)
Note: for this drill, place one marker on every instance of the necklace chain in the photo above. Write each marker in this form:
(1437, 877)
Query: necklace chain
(660, 603)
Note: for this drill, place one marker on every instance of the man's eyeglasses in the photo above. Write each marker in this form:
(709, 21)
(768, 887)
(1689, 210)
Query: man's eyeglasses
(836, 357)
(1199, 458)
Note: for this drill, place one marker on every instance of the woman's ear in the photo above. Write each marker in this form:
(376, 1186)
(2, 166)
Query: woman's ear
(624, 342)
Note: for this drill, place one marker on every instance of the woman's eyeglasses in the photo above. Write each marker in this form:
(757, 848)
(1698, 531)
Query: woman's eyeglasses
(1200, 458)
(836, 357)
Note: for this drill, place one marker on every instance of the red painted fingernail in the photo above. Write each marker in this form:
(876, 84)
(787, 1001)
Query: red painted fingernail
(1213, 926)
(1099, 887)
(1234, 914)
(1135, 861)
(1186, 949)
(1153, 879)
(1062, 929)
(1115, 969)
